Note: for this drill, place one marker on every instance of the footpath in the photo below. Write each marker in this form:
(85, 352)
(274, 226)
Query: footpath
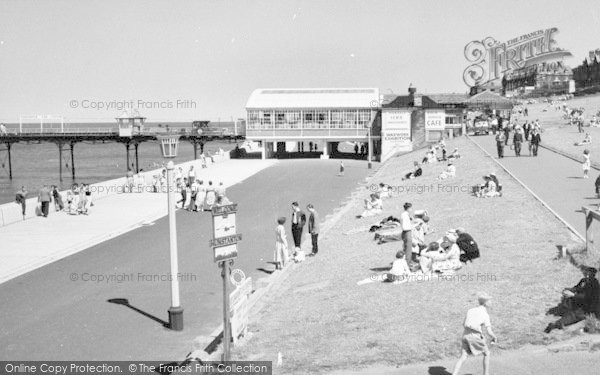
(322, 321)
(37, 241)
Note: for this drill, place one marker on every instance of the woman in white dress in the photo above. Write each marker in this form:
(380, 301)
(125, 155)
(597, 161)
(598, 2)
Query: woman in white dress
(281, 246)
(200, 195)
(211, 197)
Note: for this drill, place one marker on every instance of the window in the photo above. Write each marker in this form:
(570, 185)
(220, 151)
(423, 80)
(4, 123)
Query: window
(364, 118)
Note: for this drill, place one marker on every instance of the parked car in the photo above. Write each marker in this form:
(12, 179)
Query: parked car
(481, 126)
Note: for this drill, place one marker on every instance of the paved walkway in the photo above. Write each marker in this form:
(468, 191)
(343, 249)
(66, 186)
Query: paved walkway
(513, 363)
(557, 180)
(38, 241)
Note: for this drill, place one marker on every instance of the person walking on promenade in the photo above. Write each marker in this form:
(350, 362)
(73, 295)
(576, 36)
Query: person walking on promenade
(500, 137)
(44, 197)
(58, 202)
(314, 227)
(200, 196)
(21, 198)
(221, 189)
(281, 245)
(341, 168)
(191, 175)
(535, 141)
(527, 129)
(181, 188)
(494, 124)
(586, 163)
(518, 141)
(194, 194)
(506, 132)
(210, 198)
(298, 222)
(407, 228)
(129, 179)
(473, 342)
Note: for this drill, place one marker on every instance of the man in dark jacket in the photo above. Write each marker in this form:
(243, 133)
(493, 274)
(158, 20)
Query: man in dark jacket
(298, 222)
(314, 227)
(579, 301)
(500, 138)
(518, 141)
(468, 247)
(44, 197)
(535, 141)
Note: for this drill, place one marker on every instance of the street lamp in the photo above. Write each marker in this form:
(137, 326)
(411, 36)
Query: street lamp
(370, 145)
(168, 147)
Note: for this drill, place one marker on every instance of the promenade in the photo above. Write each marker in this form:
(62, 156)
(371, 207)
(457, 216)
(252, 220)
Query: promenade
(65, 314)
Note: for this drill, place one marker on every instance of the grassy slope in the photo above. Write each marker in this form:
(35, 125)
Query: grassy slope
(320, 320)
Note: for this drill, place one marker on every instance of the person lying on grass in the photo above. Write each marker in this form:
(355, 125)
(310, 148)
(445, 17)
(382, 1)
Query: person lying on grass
(393, 231)
(416, 172)
(579, 301)
(384, 190)
(454, 155)
(373, 206)
(586, 141)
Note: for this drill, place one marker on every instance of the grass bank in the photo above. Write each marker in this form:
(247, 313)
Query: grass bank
(321, 320)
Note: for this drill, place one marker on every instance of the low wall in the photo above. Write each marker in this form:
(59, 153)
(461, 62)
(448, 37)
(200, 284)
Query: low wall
(11, 212)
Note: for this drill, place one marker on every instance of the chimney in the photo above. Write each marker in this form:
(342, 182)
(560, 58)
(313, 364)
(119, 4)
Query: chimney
(411, 95)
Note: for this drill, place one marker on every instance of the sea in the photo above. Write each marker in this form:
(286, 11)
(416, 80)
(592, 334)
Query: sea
(34, 165)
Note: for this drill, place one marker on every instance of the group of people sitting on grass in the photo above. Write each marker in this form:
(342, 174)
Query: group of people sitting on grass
(586, 141)
(417, 257)
(490, 188)
(432, 157)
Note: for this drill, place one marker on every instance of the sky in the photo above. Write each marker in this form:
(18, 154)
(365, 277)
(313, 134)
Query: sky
(196, 60)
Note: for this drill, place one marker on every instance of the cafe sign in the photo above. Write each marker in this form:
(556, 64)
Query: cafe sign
(491, 59)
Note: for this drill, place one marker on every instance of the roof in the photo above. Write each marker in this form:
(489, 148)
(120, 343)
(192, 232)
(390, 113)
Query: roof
(451, 98)
(314, 98)
(490, 100)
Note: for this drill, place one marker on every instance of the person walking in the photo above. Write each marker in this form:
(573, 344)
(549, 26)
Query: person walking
(527, 129)
(314, 227)
(44, 197)
(341, 168)
(500, 138)
(518, 141)
(535, 141)
(191, 175)
(298, 222)
(21, 198)
(506, 132)
(407, 228)
(473, 342)
(586, 163)
(58, 202)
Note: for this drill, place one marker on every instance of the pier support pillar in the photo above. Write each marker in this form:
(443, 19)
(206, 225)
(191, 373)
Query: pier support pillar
(195, 144)
(60, 160)
(8, 146)
(127, 152)
(72, 145)
(137, 164)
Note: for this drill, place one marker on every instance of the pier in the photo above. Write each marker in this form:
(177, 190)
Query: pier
(125, 133)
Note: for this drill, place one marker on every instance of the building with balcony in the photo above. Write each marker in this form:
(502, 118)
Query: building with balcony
(313, 120)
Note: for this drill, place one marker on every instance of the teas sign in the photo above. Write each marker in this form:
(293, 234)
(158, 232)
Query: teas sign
(435, 120)
(396, 127)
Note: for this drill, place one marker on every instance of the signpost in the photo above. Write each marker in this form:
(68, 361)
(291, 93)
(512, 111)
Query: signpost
(224, 244)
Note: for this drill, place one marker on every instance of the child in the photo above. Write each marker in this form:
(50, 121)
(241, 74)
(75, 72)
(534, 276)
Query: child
(281, 246)
(473, 342)
(341, 168)
(586, 163)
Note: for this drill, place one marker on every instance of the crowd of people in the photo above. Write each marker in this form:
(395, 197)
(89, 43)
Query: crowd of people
(78, 200)
(284, 254)
(521, 133)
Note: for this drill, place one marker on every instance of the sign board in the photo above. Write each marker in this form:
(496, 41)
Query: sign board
(240, 308)
(224, 210)
(396, 126)
(223, 253)
(224, 226)
(435, 120)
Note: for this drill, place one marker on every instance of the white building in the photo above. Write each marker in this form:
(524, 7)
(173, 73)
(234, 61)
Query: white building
(288, 120)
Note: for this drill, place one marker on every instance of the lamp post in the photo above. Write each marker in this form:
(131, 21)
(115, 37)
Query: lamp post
(370, 145)
(168, 146)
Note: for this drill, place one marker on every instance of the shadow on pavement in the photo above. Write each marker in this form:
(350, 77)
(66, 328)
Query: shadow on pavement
(438, 370)
(125, 302)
